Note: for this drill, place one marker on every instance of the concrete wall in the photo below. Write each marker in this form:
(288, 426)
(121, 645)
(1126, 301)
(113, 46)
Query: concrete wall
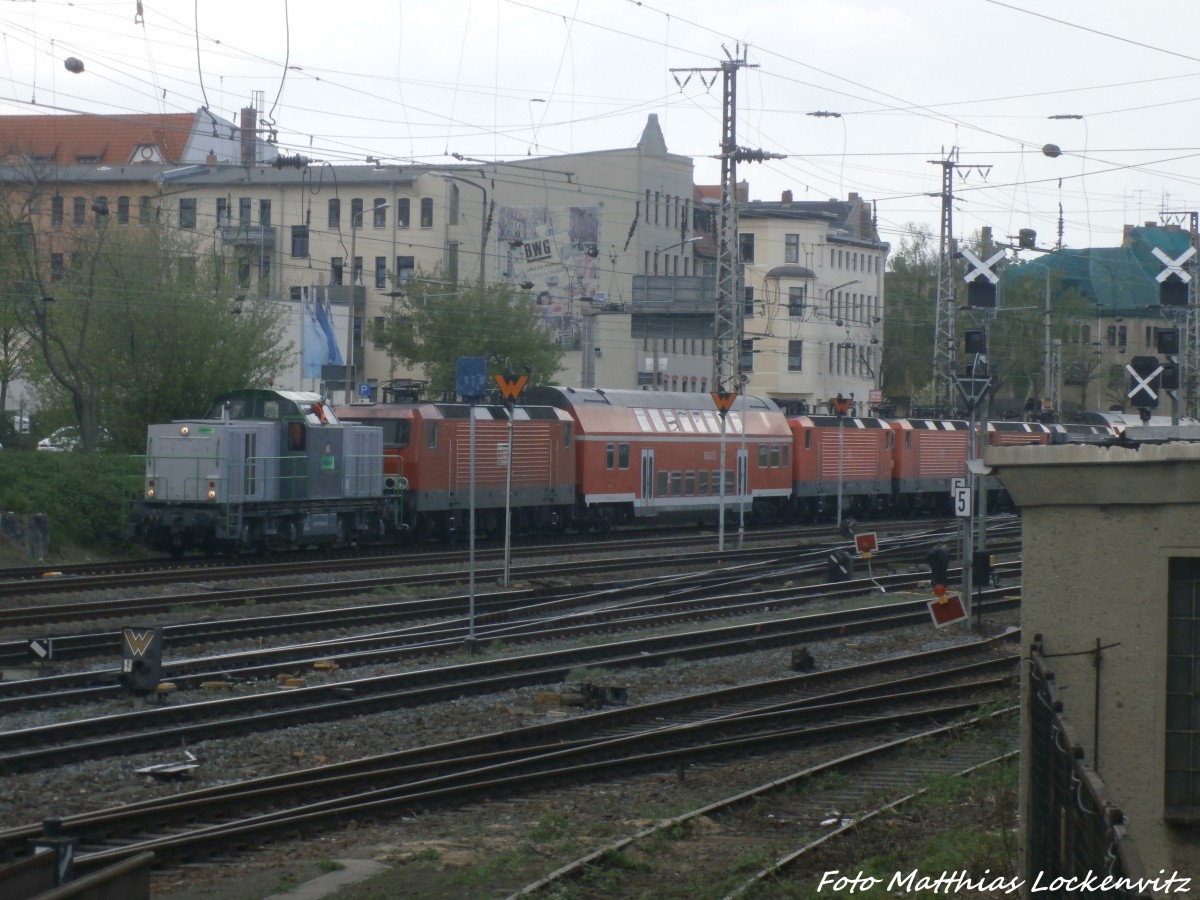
(1099, 528)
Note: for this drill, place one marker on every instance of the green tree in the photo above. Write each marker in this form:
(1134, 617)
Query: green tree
(435, 323)
(137, 330)
(911, 290)
(1017, 333)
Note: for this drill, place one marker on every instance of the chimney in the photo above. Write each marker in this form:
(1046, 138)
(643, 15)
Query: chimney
(1127, 235)
(211, 159)
(787, 197)
(249, 136)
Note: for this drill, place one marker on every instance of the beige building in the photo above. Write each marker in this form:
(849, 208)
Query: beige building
(1111, 599)
(571, 231)
(614, 249)
(814, 303)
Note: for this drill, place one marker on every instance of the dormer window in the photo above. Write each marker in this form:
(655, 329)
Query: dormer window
(146, 153)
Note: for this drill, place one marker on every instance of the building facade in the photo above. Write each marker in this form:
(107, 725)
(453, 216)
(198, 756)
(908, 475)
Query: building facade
(814, 301)
(1109, 598)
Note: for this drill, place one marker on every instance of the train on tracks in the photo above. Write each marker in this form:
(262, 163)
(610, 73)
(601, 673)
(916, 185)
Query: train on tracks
(272, 468)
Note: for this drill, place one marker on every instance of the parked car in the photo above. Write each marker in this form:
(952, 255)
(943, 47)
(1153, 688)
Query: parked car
(69, 438)
(65, 438)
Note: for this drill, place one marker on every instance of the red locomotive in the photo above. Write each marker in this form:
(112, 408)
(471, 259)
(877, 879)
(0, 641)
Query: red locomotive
(428, 445)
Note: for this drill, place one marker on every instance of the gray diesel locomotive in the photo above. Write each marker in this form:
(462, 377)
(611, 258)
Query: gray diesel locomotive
(264, 469)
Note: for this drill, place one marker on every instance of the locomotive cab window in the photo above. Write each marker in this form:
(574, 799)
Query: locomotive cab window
(568, 434)
(296, 435)
(622, 456)
(397, 433)
(431, 438)
(775, 463)
(610, 455)
(783, 457)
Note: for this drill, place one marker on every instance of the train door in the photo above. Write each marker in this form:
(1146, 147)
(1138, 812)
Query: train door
(645, 498)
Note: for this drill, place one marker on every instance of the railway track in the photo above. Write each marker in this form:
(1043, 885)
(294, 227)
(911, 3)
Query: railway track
(511, 617)
(902, 693)
(539, 577)
(790, 817)
(26, 581)
(165, 726)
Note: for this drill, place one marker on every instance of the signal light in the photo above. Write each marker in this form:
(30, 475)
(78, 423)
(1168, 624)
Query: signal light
(1172, 291)
(1166, 341)
(939, 568)
(975, 342)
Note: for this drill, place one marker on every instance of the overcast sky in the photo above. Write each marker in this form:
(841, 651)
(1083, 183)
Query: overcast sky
(912, 80)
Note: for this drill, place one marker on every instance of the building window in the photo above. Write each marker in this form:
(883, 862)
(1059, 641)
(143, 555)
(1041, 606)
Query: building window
(1182, 775)
(299, 240)
(452, 259)
(746, 358)
(336, 264)
(264, 275)
(58, 269)
(79, 210)
(791, 248)
(100, 207)
(405, 266)
(797, 300)
(381, 271)
(357, 276)
(187, 212)
(379, 213)
(244, 210)
(144, 216)
(56, 210)
(122, 210)
(452, 212)
(376, 343)
(746, 247)
(426, 212)
(1117, 335)
(356, 212)
(222, 212)
(748, 302)
(335, 212)
(795, 356)
(402, 212)
(264, 213)
(243, 271)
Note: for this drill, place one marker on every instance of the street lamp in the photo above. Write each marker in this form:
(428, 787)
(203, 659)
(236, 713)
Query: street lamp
(672, 247)
(350, 305)
(485, 225)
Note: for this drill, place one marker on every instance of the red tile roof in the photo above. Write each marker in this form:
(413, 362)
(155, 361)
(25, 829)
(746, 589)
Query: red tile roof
(96, 140)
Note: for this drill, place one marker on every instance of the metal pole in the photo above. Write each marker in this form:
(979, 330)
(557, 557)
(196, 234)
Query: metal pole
(968, 541)
(471, 532)
(350, 312)
(744, 474)
(1046, 391)
(508, 503)
(841, 457)
(721, 515)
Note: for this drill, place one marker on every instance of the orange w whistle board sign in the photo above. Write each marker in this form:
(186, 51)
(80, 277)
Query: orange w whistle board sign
(511, 386)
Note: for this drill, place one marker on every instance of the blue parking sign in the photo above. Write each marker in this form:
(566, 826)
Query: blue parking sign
(364, 390)
(471, 377)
